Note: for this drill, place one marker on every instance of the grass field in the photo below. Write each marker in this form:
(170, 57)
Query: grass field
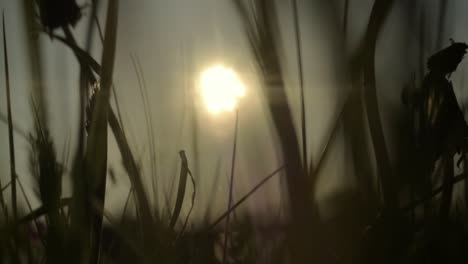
(384, 218)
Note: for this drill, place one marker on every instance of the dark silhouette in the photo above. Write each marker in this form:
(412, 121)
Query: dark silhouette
(441, 125)
(440, 115)
(58, 13)
(438, 131)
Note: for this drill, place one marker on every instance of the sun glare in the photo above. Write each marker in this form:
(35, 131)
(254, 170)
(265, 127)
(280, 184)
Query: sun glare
(221, 89)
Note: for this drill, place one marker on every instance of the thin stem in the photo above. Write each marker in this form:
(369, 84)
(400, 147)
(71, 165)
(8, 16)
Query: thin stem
(301, 83)
(10, 128)
(231, 185)
(245, 197)
(149, 124)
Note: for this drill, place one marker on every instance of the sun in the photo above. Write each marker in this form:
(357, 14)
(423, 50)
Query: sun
(220, 89)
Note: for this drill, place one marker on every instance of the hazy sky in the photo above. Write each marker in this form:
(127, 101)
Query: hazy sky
(175, 40)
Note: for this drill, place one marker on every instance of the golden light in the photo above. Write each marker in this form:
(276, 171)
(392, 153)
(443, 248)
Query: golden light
(221, 89)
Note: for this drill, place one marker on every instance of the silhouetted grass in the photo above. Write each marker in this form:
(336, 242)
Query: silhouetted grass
(366, 230)
(149, 125)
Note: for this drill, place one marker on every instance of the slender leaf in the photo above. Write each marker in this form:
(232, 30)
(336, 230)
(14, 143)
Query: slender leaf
(184, 170)
(10, 127)
(231, 187)
(96, 150)
(297, 32)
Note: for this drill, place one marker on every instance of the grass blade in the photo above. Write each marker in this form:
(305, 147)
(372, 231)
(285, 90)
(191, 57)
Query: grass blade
(244, 198)
(194, 194)
(131, 167)
(181, 189)
(96, 150)
(315, 170)
(82, 55)
(10, 128)
(304, 216)
(3, 188)
(129, 161)
(297, 33)
(231, 187)
(124, 211)
(130, 164)
(379, 13)
(149, 125)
